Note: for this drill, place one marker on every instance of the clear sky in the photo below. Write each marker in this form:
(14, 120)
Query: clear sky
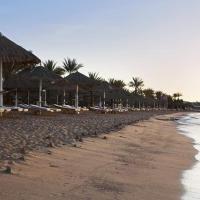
(157, 40)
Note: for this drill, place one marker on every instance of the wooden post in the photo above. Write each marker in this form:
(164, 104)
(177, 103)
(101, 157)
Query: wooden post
(104, 99)
(16, 98)
(1, 83)
(76, 97)
(28, 97)
(40, 93)
(64, 96)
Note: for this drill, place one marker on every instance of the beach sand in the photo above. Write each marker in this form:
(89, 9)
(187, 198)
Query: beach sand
(143, 161)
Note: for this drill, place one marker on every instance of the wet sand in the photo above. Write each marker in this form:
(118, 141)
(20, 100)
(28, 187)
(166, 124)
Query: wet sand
(143, 161)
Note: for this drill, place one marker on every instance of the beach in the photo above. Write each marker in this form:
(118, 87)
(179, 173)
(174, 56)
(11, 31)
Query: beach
(143, 160)
(21, 133)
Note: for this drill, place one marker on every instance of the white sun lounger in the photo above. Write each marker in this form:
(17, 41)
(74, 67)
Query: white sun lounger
(36, 107)
(2, 110)
(100, 109)
(68, 108)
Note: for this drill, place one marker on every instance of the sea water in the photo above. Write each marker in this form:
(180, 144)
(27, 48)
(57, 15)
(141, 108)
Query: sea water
(189, 125)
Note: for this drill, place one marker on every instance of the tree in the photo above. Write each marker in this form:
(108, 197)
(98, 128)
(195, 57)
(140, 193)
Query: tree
(177, 101)
(71, 65)
(149, 93)
(117, 83)
(137, 83)
(150, 96)
(51, 66)
(95, 76)
(177, 96)
(159, 95)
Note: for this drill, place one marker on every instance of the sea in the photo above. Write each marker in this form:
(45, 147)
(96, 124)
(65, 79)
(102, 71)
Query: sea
(189, 125)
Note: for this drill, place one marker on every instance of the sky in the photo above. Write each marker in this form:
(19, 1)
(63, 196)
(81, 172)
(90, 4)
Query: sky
(156, 40)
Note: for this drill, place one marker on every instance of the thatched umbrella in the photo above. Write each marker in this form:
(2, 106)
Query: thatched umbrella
(40, 74)
(81, 80)
(13, 54)
(61, 84)
(101, 88)
(17, 82)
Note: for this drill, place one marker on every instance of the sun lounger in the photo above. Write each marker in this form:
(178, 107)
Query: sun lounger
(1, 111)
(84, 109)
(53, 108)
(100, 109)
(119, 110)
(68, 109)
(6, 109)
(17, 109)
(35, 109)
(24, 106)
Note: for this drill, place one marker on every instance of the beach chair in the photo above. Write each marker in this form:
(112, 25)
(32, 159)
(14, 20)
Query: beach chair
(99, 109)
(35, 109)
(68, 109)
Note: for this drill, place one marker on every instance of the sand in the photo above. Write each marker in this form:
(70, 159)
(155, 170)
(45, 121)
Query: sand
(22, 133)
(143, 161)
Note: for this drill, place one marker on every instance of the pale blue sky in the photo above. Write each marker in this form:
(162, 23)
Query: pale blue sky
(157, 40)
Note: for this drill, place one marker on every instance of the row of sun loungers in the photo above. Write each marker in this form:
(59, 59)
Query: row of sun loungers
(39, 109)
(13, 108)
(35, 109)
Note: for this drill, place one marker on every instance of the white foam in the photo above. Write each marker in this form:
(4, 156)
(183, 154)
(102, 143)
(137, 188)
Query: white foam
(190, 126)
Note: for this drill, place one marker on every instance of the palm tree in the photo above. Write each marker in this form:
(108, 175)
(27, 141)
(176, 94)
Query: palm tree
(177, 101)
(149, 93)
(117, 83)
(95, 76)
(159, 95)
(178, 95)
(174, 96)
(137, 83)
(71, 65)
(51, 66)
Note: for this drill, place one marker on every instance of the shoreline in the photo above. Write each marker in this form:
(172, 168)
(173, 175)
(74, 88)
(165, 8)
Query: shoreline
(127, 164)
(190, 175)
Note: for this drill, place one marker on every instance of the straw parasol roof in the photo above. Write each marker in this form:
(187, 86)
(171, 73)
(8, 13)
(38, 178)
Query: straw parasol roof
(18, 82)
(21, 80)
(12, 53)
(80, 79)
(39, 73)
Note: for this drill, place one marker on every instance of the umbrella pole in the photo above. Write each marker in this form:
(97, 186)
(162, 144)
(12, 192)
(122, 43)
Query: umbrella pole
(57, 99)
(45, 97)
(64, 95)
(28, 97)
(113, 103)
(1, 83)
(16, 98)
(100, 103)
(104, 99)
(76, 97)
(40, 93)
(126, 103)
